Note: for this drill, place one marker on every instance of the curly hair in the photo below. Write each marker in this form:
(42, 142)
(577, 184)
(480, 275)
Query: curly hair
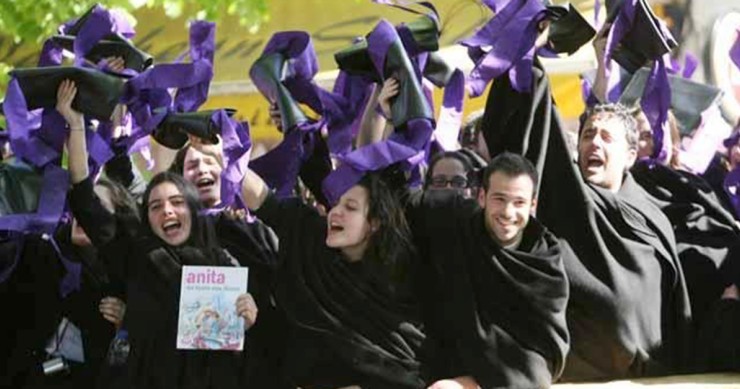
(618, 111)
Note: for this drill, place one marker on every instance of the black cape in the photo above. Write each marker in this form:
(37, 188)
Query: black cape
(708, 246)
(346, 326)
(153, 298)
(628, 312)
(493, 313)
(35, 308)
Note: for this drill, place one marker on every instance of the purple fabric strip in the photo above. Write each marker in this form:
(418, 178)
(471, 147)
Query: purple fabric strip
(735, 51)
(656, 101)
(98, 25)
(51, 54)
(281, 165)
(691, 63)
(22, 125)
(236, 146)
(342, 128)
(511, 34)
(732, 188)
(450, 117)
(597, 10)
(71, 280)
(202, 48)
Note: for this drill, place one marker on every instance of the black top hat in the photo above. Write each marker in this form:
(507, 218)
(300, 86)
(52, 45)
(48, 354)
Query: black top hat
(569, 30)
(113, 46)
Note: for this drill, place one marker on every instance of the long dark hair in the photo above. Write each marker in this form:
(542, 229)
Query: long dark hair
(390, 246)
(202, 234)
(124, 204)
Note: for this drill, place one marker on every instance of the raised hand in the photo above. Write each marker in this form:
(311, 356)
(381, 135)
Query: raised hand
(387, 92)
(116, 64)
(65, 95)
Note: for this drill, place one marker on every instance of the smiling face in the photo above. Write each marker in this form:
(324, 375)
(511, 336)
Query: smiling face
(169, 216)
(604, 154)
(348, 227)
(205, 173)
(507, 204)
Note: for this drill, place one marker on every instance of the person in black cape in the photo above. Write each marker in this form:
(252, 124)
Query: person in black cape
(254, 245)
(343, 283)
(174, 234)
(708, 246)
(629, 312)
(493, 286)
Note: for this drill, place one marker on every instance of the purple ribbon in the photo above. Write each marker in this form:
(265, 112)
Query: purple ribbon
(147, 97)
(358, 162)
(51, 54)
(511, 34)
(688, 68)
(236, 145)
(656, 101)
(732, 188)
(71, 280)
(450, 116)
(202, 48)
(356, 91)
(22, 127)
(735, 51)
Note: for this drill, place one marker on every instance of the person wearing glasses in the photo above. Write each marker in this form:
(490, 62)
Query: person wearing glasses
(451, 170)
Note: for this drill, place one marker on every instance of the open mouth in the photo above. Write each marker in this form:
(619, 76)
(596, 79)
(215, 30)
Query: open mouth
(204, 183)
(171, 227)
(335, 227)
(594, 161)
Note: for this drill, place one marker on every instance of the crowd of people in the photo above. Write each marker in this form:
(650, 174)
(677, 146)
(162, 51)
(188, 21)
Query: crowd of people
(382, 259)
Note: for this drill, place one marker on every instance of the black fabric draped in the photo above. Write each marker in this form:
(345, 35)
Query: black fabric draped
(493, 313)
(35, 307)
(628, 312)
(347, 327)
(707, 242)
(153, 275)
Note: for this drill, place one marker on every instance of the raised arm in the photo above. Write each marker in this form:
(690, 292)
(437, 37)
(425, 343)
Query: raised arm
(373, 126)
(254, 190)
(76, 143)
(601, 82)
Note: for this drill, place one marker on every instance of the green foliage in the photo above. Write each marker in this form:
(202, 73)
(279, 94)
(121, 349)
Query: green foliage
(35, 20)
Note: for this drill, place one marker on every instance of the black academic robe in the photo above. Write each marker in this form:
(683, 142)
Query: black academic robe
(346, 327)
(153, 299)
(708, 246)
(628, 312)
(492, 313)
(33, 298)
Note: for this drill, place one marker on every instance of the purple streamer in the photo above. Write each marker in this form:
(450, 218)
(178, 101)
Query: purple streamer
(735, 51)
(450, 117)
(656, 101)
(202, 48)
(511, 34)
(22, 125)
(71, 280)
(236, 146)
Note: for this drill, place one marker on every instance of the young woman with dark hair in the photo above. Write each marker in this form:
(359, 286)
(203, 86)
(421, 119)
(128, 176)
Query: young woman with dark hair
(343, 283)
(173, 234)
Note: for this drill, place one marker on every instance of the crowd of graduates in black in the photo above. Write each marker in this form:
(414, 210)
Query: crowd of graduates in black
(380, 253)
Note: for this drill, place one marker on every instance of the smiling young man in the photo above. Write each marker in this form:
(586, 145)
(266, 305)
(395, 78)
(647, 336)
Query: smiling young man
(492, 283)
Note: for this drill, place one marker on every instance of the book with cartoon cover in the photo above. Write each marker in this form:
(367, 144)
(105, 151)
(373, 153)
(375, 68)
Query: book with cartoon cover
(207, 316)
